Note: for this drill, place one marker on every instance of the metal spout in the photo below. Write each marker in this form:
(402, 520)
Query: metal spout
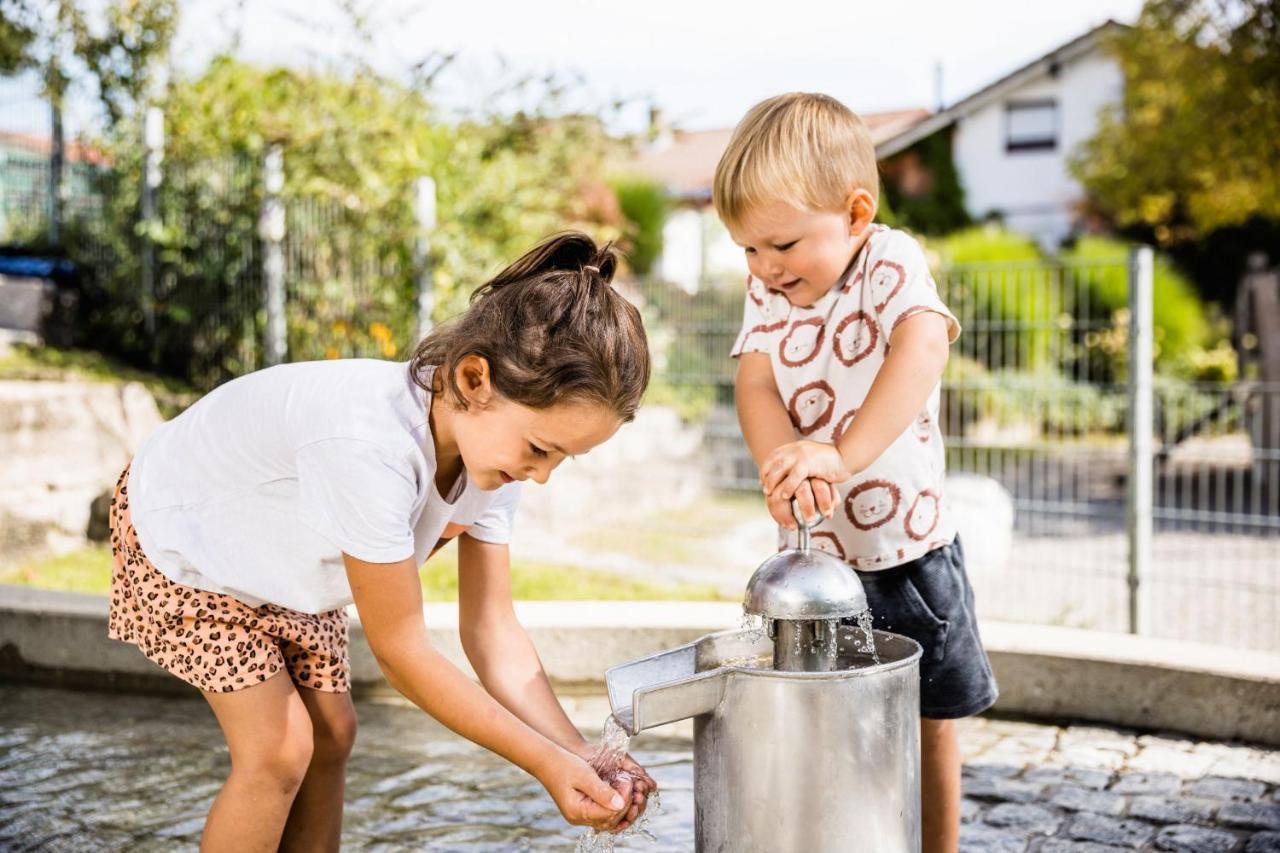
(684, 682)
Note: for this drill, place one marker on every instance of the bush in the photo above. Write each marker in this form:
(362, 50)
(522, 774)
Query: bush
(645, 206)
(996, 284)
(1183, 331)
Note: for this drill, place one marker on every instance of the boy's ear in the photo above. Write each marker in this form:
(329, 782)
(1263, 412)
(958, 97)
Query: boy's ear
(862, 211)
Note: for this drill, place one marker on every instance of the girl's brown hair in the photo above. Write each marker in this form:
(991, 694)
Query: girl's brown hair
(553, 330)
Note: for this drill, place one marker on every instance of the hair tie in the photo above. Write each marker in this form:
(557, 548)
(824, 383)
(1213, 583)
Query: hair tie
(593, 268)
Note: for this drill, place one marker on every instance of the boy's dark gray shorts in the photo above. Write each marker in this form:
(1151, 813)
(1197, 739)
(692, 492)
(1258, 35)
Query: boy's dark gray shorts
(929, 600)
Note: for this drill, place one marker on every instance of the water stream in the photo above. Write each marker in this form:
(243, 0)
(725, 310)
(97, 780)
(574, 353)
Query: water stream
(614, 744)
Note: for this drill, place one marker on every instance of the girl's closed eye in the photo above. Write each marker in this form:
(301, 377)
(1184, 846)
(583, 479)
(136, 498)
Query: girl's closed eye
(785, 246)
(537, 451)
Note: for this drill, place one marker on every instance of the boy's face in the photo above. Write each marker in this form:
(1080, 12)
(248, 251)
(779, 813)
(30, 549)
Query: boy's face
(802, 254)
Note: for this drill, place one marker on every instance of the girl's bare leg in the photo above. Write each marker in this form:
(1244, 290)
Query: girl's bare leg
(315, 823)
(939, 786)
(268, 732)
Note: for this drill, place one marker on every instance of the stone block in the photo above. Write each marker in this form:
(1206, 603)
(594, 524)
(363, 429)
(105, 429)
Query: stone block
(1147, 783)
(1078, 799)
(1264, 842)
(1084, 777)
(1062, 845)
(996, 788)
(980, 838)
(1250, 815)
(1195, 839)
(1172, 809)
(1110, 830)
(1224, 788)
(1025, 817)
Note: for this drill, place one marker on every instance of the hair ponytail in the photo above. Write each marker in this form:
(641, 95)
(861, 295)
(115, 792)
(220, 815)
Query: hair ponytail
(553, 330)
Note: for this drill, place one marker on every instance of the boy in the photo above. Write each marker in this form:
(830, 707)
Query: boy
(842, 348)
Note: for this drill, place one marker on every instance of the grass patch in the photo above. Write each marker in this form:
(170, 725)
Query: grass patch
(89, 570)
(689, 536)
(23, 362)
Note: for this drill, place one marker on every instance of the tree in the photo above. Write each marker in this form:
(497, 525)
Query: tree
(1192, 148)
(16, 36)
(117, 49)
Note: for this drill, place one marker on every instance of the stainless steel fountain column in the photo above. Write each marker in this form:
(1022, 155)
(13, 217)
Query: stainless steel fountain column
(811, 748)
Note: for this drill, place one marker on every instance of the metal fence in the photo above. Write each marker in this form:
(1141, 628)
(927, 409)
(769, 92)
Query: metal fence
(1045, 461)
(179, 275)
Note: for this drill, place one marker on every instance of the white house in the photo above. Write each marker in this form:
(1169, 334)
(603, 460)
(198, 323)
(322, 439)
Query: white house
(1011, 142)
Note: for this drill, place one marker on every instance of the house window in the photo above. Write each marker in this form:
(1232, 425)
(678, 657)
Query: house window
(1031, 126)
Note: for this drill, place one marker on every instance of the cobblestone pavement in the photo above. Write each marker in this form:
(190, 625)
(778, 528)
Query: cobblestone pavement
(1052, 789)
(86, 771)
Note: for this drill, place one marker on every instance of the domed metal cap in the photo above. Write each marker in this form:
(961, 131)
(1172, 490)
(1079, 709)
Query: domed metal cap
(804, 583)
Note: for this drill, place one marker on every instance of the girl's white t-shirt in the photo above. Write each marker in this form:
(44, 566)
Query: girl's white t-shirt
(258, 489)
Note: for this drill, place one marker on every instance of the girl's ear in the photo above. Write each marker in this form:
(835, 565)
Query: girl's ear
(474, 380)
(862, 211)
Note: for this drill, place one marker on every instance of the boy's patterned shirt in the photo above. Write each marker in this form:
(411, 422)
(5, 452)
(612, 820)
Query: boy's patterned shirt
(825, 359)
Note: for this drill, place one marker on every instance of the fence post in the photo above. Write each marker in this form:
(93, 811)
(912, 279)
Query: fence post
(1139, 500)
(424, 211)
(153, 155)
(57, 156)
(271, 229)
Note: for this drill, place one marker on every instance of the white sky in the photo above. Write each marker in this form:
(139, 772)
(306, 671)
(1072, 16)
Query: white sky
(703, 61)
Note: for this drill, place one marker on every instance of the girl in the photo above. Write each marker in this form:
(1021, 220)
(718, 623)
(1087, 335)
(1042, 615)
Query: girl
(245, 526)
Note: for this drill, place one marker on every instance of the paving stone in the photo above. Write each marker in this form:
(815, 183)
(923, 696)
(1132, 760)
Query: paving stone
(1078, 799)
(980, 838)
(1110, 830)
(1250, 764)
(1062, 845)
(1250, 815)
(1024, 817)
(970, 810)
(1160, 758)
(996, 788)
(1172, 809)
(1082, 776)
(1099, 736)
(1264, 842)
(1224, 788)
(1198, 839)
(1003, 771)
(1147, 783)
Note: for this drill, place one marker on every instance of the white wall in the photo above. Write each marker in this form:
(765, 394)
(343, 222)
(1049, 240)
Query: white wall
(693, 242)
(1033, 189)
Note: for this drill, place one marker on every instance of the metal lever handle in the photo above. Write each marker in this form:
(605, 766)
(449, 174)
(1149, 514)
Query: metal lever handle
(803, 525)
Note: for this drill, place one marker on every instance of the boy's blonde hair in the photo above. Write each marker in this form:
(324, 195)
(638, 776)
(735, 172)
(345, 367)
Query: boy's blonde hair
(807, 150)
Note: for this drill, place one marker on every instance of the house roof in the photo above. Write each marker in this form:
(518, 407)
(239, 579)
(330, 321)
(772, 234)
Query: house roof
(42, 146)
(687, 164)
(906, 137)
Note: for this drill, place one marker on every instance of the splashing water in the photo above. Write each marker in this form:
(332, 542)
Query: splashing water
(864, 625)
(753, 626)
(607, 762)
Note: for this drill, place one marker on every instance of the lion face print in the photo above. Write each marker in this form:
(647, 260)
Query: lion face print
(855, 338)
(872, 503)
(887, 278)
(800, 345)
(811, 406)
(922, 516)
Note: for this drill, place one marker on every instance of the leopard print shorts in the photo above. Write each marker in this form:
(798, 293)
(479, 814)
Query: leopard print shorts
(213, 641)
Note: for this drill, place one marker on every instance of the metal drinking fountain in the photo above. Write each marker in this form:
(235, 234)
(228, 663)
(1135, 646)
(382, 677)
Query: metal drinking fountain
(804, 737)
